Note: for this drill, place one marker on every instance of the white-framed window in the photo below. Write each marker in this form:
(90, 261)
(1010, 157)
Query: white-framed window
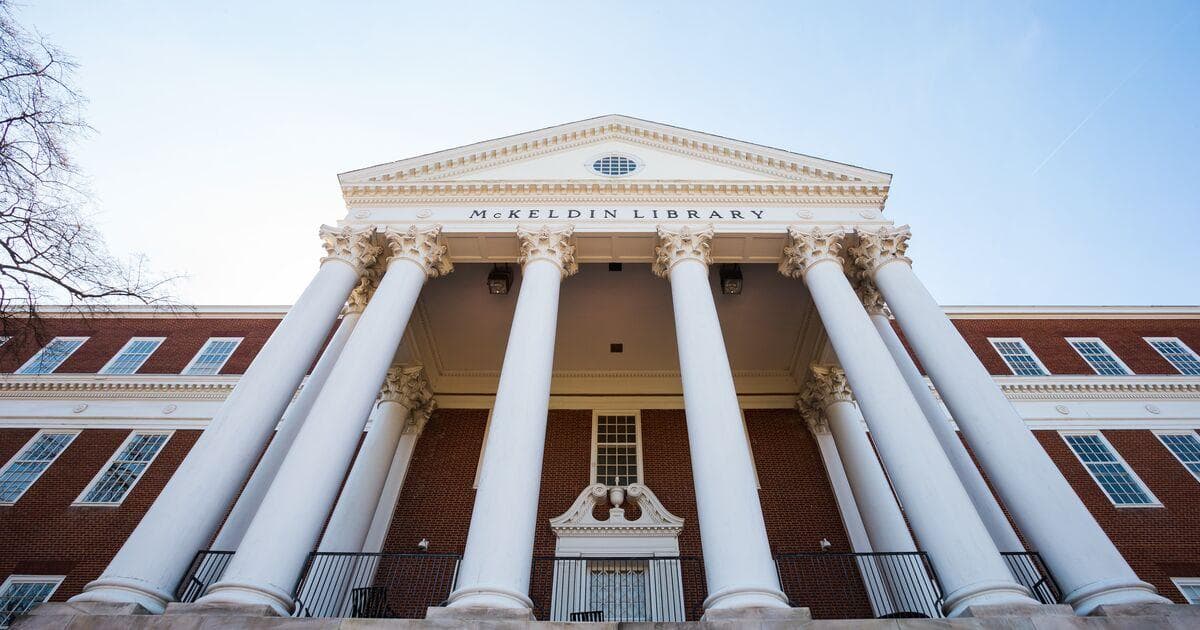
(1177, 354)
(1099, 356)
(212, 356)
(19, 593)
(50, 357)
(1109, 470)
(132, 356)
(30, 462)
(616, 447)
(1019, 358)
(1185, 446)
(125, 469)
(1190, 588)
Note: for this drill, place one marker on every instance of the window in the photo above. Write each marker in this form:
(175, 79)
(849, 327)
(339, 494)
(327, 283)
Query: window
(1185, 445)
(1097, 355)
(615, 165)
(212, 356)
(1190, 587)
(1019, 357)
(1108, 469)
(1178, 354)
(29, 464)
(125, 468)
(49, 358)
(619, 589)
(616, 455)
(22, 592)
(132, 356)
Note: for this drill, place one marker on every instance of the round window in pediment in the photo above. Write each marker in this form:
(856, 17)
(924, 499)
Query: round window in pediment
(615, 165)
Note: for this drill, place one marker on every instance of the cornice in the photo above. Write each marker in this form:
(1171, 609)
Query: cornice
(1100, 388)
(92, 387)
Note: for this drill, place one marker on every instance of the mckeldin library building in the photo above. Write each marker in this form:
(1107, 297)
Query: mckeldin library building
(607, 372)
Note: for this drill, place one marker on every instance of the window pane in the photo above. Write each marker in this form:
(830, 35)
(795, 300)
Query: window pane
(1178, 355)
(49, 358)
(126, 469)
(616, 450)
(30, 464)
(20, 596)
(1099, 358)
(1116, 480)
(618, 590)
(212, 356)
(132, 356)
(1187, 448)
(1019, 358)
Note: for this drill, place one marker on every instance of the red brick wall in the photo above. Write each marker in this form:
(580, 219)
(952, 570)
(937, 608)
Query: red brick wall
(1159, 542)
(106, 336)
(43, 534)
(1047, 339)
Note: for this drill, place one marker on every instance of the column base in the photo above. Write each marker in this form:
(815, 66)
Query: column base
(987, 594)
(489, 597)
(746, 598)
(230, 595)
(1085, 600)
(478, 613)
(119, 590)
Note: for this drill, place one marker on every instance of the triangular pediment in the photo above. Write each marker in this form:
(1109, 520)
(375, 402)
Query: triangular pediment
(565, 153)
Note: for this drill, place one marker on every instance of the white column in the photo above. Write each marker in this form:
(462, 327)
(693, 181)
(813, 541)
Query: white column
(397, 471)
(285, 529)
(937, 506)
(828, 399)
(737, 556)
(1086, 565)
(405, 393)
(989, 509)
(268, 465)
(494, 572)
(188, 511)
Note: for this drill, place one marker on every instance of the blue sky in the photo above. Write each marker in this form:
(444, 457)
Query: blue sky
(1044, 153)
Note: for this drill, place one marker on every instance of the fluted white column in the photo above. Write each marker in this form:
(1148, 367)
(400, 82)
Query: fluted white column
(268, 465)
(989, 509)
(285, 529)
(1085, 563)
(827, 400)
(494, 572)
(405, 394)
(188, 511)
(937, 506)
(737, 556)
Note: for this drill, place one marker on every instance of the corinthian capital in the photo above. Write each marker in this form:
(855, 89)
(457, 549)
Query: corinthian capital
(422, 245)
(828, 385)
(368, 281)
(686, 244)
(806, 248)
(877, 248)
(349, 245)
(813, 414)
(556, 245)
(871, 298)
(407, 385)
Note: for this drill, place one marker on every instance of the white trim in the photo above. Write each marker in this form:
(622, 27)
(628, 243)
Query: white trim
(1177, 340)
(25, 578)
(16, 456)
(1181, 582)
(1154, 502)
(38, 354)
(1070, 312)
(637, 427)
(994, 340)
(132, 340)
(237, 342)
(103, 469)
(1158, 433)
(1071, 342)
(487, 428)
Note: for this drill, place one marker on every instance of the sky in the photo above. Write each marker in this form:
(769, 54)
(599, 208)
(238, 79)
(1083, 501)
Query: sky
(1043, 152)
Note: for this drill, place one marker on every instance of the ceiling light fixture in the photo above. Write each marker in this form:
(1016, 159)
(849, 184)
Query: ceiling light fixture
(731, 279)
(499, 281)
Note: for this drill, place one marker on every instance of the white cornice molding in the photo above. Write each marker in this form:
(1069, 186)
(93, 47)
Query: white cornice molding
(1072, 312)
(581, 192)
(97, 387)
(1069, 388)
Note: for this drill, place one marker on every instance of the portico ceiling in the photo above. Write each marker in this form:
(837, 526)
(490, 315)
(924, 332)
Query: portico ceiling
(460, 331)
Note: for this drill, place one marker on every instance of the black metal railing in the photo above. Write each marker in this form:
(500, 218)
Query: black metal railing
(207, 567)
(861, 585)
(617, 589)
(392, 585)
(1031, 572)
